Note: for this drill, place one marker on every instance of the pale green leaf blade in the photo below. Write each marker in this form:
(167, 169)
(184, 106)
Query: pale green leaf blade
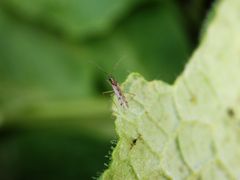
(189, 130)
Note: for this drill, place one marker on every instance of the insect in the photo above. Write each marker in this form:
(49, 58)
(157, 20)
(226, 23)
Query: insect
(116, 89)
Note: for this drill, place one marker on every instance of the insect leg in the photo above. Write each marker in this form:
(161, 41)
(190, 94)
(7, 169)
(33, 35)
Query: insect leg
(108, 92)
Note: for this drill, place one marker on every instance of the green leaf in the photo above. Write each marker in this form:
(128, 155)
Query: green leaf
(188, 130)
(47, 82)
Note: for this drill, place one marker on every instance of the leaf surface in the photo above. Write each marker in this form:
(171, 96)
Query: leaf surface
(188, 130)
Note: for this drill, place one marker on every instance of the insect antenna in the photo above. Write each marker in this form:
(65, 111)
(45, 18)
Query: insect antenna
(97, 66)
(117, 63)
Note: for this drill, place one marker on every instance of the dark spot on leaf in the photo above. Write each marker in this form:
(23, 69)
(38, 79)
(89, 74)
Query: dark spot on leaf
(193, 99)
(181, 169)
(134, 141)
(230, 112)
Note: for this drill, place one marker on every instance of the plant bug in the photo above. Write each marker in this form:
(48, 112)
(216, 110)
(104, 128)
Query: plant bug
(116, 89)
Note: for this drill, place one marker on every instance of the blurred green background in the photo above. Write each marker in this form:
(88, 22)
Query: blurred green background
(54, 121)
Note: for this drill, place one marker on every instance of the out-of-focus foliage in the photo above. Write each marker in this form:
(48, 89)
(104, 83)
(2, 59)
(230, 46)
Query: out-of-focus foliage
(73, 18)
(55, 122)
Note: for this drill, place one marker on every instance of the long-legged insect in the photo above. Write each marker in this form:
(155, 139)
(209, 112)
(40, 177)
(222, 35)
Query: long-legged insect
(117, 91)
(115, 88)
